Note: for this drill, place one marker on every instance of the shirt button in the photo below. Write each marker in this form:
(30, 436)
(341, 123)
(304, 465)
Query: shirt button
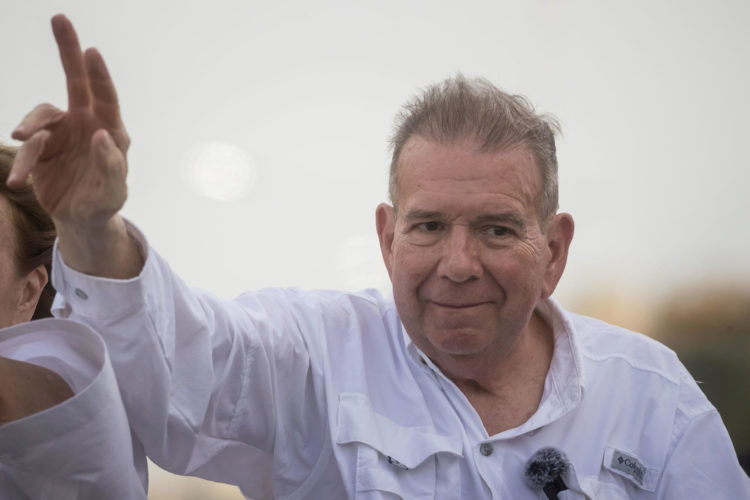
(81, 294)
(486, 449)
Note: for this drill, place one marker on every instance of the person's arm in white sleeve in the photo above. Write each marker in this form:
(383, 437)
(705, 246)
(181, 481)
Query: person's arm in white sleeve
(196, 374)
(199, 376)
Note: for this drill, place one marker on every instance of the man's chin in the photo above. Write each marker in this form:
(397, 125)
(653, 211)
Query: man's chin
(457, 343)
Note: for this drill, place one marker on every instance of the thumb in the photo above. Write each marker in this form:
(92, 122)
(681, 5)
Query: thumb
(110, 162)
(106, 153)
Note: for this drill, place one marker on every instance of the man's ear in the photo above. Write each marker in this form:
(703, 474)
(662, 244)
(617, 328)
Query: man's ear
(559, 235)
(33, 284)
(385, 221)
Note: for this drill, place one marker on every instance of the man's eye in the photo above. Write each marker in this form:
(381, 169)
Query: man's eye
(498, 231)
(429, 227)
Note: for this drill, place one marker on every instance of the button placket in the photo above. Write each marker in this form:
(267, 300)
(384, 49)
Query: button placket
(489, 465)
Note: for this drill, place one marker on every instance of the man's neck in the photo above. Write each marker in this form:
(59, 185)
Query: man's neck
(506, 390)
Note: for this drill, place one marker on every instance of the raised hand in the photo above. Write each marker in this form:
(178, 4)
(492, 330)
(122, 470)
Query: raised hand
(77, 159)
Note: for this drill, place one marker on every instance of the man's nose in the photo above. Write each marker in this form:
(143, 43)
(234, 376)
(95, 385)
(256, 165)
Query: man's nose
(460, 261)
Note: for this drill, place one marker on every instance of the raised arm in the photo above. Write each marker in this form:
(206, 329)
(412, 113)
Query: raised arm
(78, 162)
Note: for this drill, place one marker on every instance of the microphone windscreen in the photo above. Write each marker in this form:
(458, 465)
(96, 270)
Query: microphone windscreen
(545, 466)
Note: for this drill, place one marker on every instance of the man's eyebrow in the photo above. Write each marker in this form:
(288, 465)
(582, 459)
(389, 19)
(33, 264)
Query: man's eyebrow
(417, 214)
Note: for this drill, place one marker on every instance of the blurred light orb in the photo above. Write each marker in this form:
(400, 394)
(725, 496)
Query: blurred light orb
(220, 171)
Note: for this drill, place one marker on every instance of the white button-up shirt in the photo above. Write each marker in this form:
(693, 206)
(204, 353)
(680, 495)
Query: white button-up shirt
(80, 449)
(294, 394)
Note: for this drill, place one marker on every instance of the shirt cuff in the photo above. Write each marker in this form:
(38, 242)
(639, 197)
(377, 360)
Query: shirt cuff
(94, 296)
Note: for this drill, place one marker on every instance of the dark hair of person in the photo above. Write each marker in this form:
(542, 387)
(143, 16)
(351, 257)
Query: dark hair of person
(35, 232)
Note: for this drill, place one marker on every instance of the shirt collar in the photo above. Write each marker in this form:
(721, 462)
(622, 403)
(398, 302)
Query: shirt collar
(564, 386)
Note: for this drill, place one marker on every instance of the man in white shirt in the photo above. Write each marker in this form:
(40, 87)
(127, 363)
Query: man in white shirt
(443, 391)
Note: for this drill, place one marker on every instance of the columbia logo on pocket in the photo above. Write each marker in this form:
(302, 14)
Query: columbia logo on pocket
(629, 465)
(396, 463)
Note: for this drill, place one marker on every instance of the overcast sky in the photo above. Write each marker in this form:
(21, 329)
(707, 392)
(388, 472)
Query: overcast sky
(291, 103)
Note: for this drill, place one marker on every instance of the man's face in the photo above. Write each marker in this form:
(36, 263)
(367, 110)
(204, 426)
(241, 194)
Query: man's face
(466, 254)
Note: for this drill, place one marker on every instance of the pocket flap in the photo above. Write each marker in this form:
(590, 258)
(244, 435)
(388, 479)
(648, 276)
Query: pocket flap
(407, 445)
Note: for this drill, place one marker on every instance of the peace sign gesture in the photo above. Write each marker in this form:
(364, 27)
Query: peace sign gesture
(77, 159)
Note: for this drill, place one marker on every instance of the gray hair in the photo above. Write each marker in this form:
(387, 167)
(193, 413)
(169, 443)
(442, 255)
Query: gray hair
(458, 108)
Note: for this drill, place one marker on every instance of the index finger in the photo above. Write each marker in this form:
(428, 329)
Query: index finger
(72, 61)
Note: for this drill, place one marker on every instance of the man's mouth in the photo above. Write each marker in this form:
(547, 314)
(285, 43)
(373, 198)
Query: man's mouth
(459, 305)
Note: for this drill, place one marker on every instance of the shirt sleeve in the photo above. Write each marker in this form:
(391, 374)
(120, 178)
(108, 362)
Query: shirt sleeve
(81, 448)
(207, 383)
(703, 463)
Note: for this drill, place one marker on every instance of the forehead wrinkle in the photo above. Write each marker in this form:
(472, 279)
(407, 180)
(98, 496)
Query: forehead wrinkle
(525, 181)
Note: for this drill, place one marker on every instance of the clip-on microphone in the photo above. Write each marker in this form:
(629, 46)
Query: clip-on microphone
(545, 469)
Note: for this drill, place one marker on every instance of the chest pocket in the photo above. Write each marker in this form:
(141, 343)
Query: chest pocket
(396, 461)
